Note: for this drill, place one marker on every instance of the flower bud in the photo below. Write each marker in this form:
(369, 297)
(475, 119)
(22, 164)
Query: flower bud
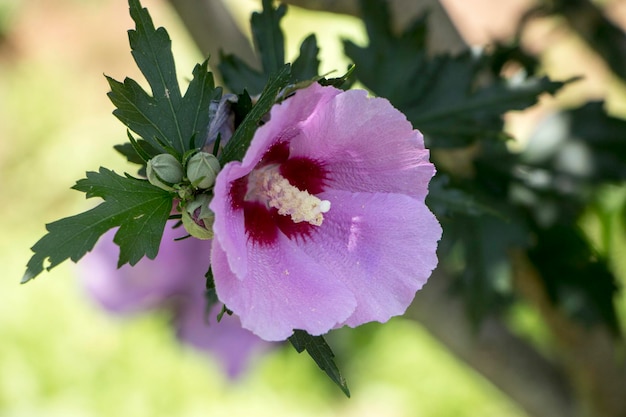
(198, 218)
(164, 170)
(202, 168)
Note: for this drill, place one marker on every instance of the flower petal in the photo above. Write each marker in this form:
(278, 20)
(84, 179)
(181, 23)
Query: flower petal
(365, 145)
(232, 345)
(229, 226)
(382, 246)
(284, 289)
(147, 284)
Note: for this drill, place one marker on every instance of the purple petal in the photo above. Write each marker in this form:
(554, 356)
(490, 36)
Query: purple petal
(376, 246)
(382, 246)
(366, 145)
(285, 289)
(232, 345)
(174, 281)
(147, 284)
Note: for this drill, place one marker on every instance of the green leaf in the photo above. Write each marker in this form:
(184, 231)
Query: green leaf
(239, 76)
(485, 279)
(445, 200)
(453, 100)
(270, 47)
(305, 67)
(138, 152)
(268, 38)
(238, 144)
(344, 82)
(577, 278)
(165, 119)
(137, 207)
(321, 353)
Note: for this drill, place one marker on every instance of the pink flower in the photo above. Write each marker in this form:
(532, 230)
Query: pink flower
(323, 223)
(173, 281)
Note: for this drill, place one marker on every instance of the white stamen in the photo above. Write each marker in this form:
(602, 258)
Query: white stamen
(268, 186)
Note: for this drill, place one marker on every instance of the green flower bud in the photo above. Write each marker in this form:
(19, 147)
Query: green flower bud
(202, 168)
(198, 218)
(164, 170)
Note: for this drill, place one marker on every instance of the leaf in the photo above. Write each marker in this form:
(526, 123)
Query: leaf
(603, 136)
(165, 119)
(483, 271)
(305, 67)
(137, 207)
(576, 277)
(268, 38)
(132, 152)
(239, 76)
(444, 96)
(321, 353)
(238, 144)
(445, 200)
(270, 47)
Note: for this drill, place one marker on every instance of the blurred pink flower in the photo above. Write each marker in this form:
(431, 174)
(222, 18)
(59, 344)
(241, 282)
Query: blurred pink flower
(175, 281)
(323, 223)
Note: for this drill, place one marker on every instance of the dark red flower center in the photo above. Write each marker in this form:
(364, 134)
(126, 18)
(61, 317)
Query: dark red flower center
(279, 196)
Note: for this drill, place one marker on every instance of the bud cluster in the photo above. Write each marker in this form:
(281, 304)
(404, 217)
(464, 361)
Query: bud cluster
(192, 181)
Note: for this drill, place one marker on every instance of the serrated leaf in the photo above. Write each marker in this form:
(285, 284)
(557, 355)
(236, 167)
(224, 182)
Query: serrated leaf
(321, 353)
(137, 207)
(443, 96)
(238, 144)
(164, 119)
(239, 76)
(268, 38)
(445, 200)
(137, 153)
(305, 66)
(270, 47)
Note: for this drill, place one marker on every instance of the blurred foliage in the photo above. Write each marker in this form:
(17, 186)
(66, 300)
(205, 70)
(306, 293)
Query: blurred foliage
(558, 199)
(60, 356)
(459, 101)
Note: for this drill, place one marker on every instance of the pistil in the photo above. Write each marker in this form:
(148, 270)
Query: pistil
(269, 187)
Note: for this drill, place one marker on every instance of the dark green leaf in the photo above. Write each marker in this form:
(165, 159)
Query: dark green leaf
(137, 207)
(306, 66)
(238, 144)
(137, 153)
(268, 38)
(344, 82)
(485, 275)
(453, 100)
(445, 200)
(239, 76)
(604, 136)
(576, 277)
(270, 47)
(321, 353)
(165, 119)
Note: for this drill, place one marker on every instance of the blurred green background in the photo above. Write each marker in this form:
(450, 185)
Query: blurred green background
(59, 354)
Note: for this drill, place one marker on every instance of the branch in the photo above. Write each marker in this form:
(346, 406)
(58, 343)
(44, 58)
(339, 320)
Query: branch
(507, 361)
(213, 29)
(592, 357)
(443, 35)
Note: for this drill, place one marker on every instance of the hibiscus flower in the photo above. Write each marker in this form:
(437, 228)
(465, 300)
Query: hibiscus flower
(323, 223)
(173, 281)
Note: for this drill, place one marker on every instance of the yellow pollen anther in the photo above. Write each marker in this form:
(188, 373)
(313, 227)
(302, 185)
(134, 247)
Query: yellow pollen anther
(268, 186)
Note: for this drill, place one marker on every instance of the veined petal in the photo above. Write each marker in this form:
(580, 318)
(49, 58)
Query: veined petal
(279, 261)
(382, 246)
(370, 148)
(284, 290)
(230, 229)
